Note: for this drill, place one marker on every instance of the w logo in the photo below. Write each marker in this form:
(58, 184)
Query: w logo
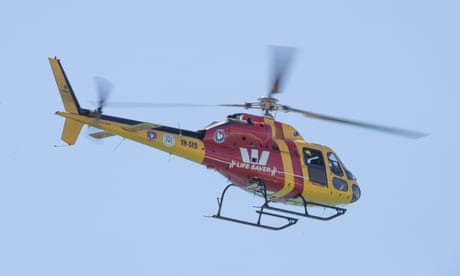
(254, 158)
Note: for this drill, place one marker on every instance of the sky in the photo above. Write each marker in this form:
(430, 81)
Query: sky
(115, 207)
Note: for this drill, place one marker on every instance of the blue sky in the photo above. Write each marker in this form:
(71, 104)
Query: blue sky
(125, 209)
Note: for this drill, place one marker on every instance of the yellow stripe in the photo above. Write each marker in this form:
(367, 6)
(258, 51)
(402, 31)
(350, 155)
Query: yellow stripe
(304, 168)
(288, 170)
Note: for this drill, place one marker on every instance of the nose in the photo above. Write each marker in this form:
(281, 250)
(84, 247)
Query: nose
(356, 192)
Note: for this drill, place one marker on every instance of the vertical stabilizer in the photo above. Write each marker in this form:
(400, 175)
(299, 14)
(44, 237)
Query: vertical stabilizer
(71, 128)
(68, 97)
(71, 131)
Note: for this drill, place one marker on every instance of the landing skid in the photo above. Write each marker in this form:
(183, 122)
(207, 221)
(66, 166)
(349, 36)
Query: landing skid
(283, 214)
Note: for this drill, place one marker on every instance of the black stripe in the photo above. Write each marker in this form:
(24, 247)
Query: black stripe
(193, 134)
(189, 133)
(70, 88)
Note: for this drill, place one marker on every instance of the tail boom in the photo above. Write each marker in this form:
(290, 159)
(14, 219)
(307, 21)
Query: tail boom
(184, 143)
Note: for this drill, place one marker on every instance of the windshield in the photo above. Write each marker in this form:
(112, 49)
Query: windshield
(350, 175)
(336, 166)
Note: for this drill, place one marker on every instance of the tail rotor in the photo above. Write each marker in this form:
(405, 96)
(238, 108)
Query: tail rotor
(104, 88)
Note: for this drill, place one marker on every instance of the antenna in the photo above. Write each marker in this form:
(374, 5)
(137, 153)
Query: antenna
(61, 146)
(118, 145)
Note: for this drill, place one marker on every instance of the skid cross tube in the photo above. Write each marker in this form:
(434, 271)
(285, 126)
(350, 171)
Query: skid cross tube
(338, 210)
(289, 221)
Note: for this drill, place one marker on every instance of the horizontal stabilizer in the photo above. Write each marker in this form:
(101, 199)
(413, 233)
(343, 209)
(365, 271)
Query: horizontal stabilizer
(141, 126)
(101, 135)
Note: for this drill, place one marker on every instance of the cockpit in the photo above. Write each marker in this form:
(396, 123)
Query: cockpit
(325, 168)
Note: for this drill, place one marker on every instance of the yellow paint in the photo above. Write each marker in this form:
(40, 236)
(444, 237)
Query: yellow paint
(320, 193)
(63, 86)
(288, 170)
(195, 154)
(71, 131)
(191, 149)
(299, 146)
(289, 132)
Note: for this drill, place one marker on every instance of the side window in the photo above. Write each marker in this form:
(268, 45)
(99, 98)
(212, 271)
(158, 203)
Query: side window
(334, 164)
(313, 157)
(340, 184)
(314, 161)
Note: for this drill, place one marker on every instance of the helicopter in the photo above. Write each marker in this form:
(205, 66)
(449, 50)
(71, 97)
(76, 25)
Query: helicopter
(256, 153)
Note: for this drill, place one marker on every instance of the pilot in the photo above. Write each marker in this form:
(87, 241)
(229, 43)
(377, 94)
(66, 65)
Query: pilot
(312, 158)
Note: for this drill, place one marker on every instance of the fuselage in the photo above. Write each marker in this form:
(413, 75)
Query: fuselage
(248, 149)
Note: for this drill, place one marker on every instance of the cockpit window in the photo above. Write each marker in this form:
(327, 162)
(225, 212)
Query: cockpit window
(340, 184)
(350, 175)
(334, 164)
(314, 161)
(227, 121)
(313, 157)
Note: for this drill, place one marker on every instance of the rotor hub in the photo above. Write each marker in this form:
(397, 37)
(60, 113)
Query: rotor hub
(268, 103)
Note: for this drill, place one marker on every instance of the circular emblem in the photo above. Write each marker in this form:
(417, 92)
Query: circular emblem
(151, 135)
(219, 136)
(168, 140)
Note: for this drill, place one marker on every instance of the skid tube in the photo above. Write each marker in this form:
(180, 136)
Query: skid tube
(283, 213)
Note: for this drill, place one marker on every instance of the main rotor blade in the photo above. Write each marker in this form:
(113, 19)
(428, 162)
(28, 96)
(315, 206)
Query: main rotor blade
(245, 105)
(283, 58)
(121, 104)
(387, 129)
(154, 105)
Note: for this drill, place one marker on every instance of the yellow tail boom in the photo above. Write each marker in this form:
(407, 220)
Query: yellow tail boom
(184, 143)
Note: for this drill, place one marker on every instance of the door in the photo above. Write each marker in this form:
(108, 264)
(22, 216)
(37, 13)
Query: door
(314, 160)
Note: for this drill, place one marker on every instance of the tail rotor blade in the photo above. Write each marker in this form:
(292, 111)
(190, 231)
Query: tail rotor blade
(104, 88)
